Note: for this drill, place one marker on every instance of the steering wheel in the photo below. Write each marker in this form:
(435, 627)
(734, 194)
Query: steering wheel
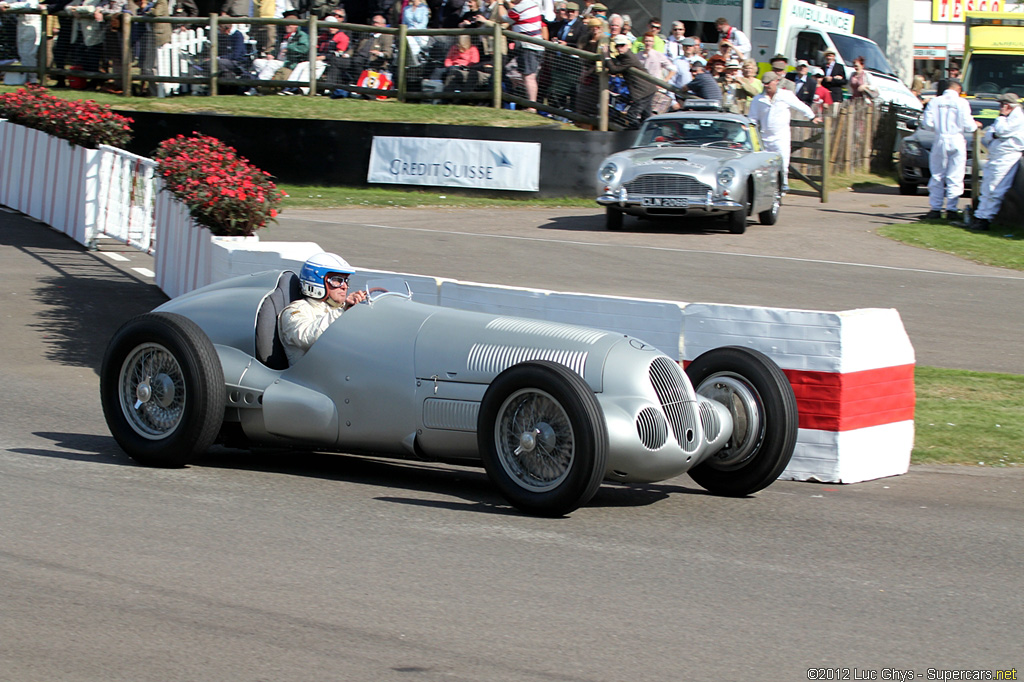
(987, 87)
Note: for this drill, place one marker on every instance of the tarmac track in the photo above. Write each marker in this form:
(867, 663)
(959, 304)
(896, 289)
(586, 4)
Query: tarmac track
(302, 566)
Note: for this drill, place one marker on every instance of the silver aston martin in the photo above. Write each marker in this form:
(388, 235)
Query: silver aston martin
(693, 164)
(550, 410)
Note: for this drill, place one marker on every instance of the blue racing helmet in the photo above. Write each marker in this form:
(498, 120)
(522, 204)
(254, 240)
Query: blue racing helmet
(315, 271)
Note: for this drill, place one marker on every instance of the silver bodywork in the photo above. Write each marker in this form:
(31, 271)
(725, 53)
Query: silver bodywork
(401, 378)
(688, 175)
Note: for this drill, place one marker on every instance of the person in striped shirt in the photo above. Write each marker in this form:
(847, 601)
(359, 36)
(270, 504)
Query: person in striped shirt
(525, 17)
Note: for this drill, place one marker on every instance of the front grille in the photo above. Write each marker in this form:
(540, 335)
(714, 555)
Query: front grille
(666, 185)
(652, 429)
(669, 387)
(710, 421)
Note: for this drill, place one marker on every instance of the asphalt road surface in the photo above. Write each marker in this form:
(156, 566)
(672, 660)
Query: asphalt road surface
(305, 566)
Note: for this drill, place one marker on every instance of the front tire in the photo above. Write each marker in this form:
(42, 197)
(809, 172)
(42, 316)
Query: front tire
(542, 438)
(162, 389)
(613, 219)
(764, 410)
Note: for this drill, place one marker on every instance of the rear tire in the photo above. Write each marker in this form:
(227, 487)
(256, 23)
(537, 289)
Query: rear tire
(771, 216)
(759, 396)
(542, 438)
(162, 389)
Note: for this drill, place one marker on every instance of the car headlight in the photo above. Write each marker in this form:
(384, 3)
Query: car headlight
(726, 175)
(912, 148)
(608, 172)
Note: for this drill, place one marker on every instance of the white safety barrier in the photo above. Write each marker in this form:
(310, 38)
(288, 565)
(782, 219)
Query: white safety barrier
(84, 193)
(50, 180)
(127, 192)
(852, 371)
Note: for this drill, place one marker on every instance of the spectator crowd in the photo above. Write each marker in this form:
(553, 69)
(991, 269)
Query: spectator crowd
(87, 37)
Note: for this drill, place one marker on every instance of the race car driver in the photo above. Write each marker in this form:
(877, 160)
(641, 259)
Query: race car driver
(324, 282)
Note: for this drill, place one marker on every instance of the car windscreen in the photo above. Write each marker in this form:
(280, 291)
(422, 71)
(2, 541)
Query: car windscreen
(695, 131)
(994, 74)
(851, 47)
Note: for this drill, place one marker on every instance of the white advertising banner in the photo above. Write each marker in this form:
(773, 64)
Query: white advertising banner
(447, 162)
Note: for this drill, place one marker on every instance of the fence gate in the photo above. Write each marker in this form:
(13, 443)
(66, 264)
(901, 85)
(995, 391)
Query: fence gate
(810, 165)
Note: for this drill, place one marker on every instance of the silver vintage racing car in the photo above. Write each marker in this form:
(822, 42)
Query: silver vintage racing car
(693, 164)
(551, 410)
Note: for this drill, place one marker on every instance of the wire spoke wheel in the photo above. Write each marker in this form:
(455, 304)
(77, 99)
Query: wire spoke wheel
(152, 391)
(534, 440)
(542, 438)
(162, 389)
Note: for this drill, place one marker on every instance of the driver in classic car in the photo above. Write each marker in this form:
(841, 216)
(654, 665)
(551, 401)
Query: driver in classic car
(324, 281)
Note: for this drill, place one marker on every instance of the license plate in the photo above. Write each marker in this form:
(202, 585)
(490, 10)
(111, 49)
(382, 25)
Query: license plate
(666, 202)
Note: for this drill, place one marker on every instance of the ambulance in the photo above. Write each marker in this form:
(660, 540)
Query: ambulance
(993, 60)
(799, 30)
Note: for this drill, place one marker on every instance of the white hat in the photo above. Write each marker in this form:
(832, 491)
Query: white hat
(802, 62)
(621, 40)
(698, 60)
(732, 64)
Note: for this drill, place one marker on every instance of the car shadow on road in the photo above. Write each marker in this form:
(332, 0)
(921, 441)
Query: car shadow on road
(596, 223)
(79, 447)
(469, 485)
(84, 298)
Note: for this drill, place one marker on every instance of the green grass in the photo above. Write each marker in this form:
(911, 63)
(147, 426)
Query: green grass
(324, 108)
(968, 418)
(842, 181)
(306, 196)
(1001, 246)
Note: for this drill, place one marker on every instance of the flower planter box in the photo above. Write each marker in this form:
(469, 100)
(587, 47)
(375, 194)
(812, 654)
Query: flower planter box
(49, 179)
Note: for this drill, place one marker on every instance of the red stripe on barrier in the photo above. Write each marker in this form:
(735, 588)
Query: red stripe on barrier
(830, 401)
(855, 400)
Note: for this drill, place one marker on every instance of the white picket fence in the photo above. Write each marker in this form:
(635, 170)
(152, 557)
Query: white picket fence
(176, 59)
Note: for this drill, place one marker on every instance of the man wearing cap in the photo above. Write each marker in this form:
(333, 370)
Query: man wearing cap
(731, 40)
(949, 117)
(835, 76)
(772, 111)
(641, 92)
(779, 64)
(703, 84)
(1005, 142)
(683, 62)
(571, 31)
(804, 85)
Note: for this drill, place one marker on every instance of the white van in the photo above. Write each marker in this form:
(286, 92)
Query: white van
(799, 30)
(802, 30)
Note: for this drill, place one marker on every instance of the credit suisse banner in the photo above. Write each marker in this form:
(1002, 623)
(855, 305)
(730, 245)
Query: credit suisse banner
(953, 10)
(447, 162)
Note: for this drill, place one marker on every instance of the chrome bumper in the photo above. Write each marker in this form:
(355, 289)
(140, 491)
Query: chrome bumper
(705, 203)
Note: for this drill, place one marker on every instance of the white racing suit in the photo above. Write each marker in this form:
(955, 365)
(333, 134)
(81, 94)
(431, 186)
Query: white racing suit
(1005, 142)
(773, 115)
(29, 28)
(949, 117)
(302, 323)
